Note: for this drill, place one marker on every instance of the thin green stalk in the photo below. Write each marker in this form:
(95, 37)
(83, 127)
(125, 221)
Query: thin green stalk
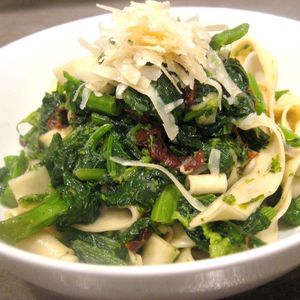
(229, 36)
(97, 135)
(90, 174)
(166, 204)
(260, 105)
(104, 104)
(20, 227)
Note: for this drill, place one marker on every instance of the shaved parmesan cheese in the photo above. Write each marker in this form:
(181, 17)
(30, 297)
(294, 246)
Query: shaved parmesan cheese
(129, 72)
(120, 90)
(215, 65)
(171, 79)
(143, 41)
(167, 118)
(193, 201)
(77, 92)
(85, 97)
(151, 72)
(214, 161)
(171, 106)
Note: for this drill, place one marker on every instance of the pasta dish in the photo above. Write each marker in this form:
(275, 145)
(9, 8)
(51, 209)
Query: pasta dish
(168, 143)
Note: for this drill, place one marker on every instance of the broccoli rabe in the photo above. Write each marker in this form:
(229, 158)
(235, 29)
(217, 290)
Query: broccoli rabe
(292, 215)
(108, 250)
(227, 37)
(222, 238)
(14, 167)
(140, 189)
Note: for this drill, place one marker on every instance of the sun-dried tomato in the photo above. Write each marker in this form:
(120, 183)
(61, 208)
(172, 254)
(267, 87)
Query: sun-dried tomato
(192, 163)
(154, 142)
(137, 244)
(189, 96)
(58, 120)
(158, 150)
(252, 154)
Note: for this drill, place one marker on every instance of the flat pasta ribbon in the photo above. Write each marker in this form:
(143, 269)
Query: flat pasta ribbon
(261, 64)
(250, 190)
(291, 189)
(112, 218)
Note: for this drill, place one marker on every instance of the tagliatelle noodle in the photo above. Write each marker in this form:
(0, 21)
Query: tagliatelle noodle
(257, 184)
(44, 243)
(111, 219)
(287, 114)
(261, 64)
(289, 179)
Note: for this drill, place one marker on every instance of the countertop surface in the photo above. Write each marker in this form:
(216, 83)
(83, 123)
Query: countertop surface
(19, 18)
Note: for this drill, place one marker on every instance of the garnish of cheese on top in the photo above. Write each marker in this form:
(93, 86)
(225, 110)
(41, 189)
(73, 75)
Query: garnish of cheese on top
(145, 41)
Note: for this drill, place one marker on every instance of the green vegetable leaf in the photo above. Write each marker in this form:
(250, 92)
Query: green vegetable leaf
(140, 189)
(93, 255)
(292, 215)
(14, 167)
(237, 73)
(255, 138)
(278, 94)
(291, 138)
(134, 231)
(260, 220)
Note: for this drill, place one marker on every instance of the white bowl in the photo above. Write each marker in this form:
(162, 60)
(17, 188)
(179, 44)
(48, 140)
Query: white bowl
(26, 72)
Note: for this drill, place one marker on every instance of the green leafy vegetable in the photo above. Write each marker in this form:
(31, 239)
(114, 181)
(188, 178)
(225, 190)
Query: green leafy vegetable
(184, 212)
(199, 237)
(205, 112)
(93, 255)
(259, 220)
(114, 147)
(95, 239)
(168, 93)
(292, 215)
(291, 138)
(207, 199)
(219, 245)
(14, 167)
(237, 73)
(140, 189)
(255, 138)
(278, 94)
(138, 102)
(134, 231)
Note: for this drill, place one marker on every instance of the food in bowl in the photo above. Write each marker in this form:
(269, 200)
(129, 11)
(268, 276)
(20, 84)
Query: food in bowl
(165, 145)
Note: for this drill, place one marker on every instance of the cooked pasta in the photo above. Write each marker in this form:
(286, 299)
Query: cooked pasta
(166, 144)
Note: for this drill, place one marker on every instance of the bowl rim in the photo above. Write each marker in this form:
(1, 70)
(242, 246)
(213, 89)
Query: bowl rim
(166, 269)
(248, 256)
